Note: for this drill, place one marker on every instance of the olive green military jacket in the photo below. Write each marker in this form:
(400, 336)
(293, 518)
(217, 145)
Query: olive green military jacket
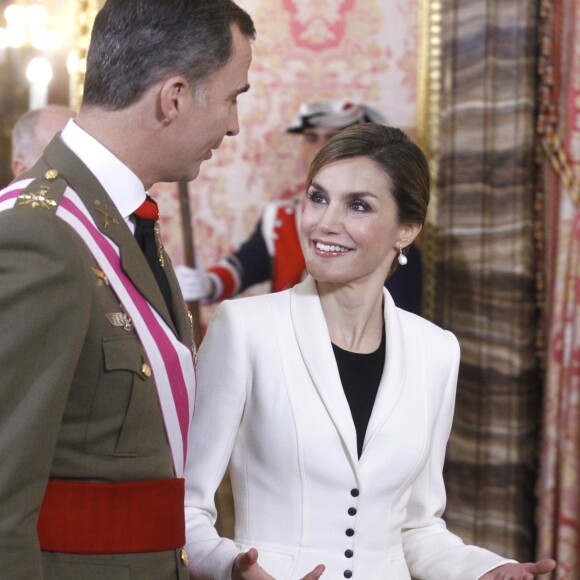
(76, 401)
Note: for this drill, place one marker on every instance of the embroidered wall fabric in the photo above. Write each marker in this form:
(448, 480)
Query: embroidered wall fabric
(485, 268)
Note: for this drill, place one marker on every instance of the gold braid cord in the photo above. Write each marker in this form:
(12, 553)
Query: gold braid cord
(544, 144)
(547, 125)
(429, 106)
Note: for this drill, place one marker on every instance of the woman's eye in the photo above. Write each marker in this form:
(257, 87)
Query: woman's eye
(316, 197)
(359, 205)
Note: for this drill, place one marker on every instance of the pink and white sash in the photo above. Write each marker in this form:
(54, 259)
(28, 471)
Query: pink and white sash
(171, 361)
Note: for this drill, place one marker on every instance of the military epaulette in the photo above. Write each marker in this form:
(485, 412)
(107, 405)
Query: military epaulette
(44, 192)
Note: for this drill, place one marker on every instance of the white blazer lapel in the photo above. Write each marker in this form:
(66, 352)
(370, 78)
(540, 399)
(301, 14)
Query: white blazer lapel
(316, 350)
(393, 379)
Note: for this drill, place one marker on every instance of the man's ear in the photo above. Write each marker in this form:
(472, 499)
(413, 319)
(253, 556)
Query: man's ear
(172, 98)
(408, 233)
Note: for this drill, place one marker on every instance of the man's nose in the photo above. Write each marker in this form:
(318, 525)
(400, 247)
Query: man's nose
(234, 124)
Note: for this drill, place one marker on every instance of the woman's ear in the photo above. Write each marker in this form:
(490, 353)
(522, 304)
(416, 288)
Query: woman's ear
(408, 233)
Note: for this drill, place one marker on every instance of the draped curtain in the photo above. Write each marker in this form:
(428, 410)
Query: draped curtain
(485, 279)
(559, 133)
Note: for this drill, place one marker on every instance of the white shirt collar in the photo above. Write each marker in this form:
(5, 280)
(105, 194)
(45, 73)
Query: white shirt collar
(123, 186)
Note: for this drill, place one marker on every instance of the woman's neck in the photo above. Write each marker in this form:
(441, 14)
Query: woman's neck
(354, 316)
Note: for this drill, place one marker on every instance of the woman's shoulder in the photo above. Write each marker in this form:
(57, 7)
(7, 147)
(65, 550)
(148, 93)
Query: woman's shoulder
(242, 321)
(431, 332)
(254, 305)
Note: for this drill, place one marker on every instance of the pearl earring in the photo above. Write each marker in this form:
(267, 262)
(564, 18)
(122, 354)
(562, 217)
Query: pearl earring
(402, 259)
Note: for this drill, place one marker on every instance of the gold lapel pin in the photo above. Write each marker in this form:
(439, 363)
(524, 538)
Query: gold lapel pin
(103, 209)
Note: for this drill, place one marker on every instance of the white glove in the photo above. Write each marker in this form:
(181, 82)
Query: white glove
(195, 284)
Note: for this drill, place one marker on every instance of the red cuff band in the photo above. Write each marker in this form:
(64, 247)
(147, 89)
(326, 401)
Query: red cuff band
(112, 518)
(228, 281)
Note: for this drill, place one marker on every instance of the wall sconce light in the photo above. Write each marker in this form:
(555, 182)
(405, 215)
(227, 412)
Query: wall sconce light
(26, 26)
(39, 75)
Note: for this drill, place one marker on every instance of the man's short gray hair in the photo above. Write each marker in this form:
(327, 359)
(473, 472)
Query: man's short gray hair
(135, 44)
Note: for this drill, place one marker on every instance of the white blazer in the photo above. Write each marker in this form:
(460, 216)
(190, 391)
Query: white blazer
(270, 402)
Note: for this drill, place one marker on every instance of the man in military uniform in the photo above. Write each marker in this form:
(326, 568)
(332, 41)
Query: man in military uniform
(97, 377)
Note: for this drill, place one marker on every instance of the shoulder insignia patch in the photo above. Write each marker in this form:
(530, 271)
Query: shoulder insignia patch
(39, 199)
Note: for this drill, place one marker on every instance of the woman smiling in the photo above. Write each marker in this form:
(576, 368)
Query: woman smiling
(331, 405)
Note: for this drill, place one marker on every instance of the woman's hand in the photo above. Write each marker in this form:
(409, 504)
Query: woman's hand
(246, 567)
(520, 571)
